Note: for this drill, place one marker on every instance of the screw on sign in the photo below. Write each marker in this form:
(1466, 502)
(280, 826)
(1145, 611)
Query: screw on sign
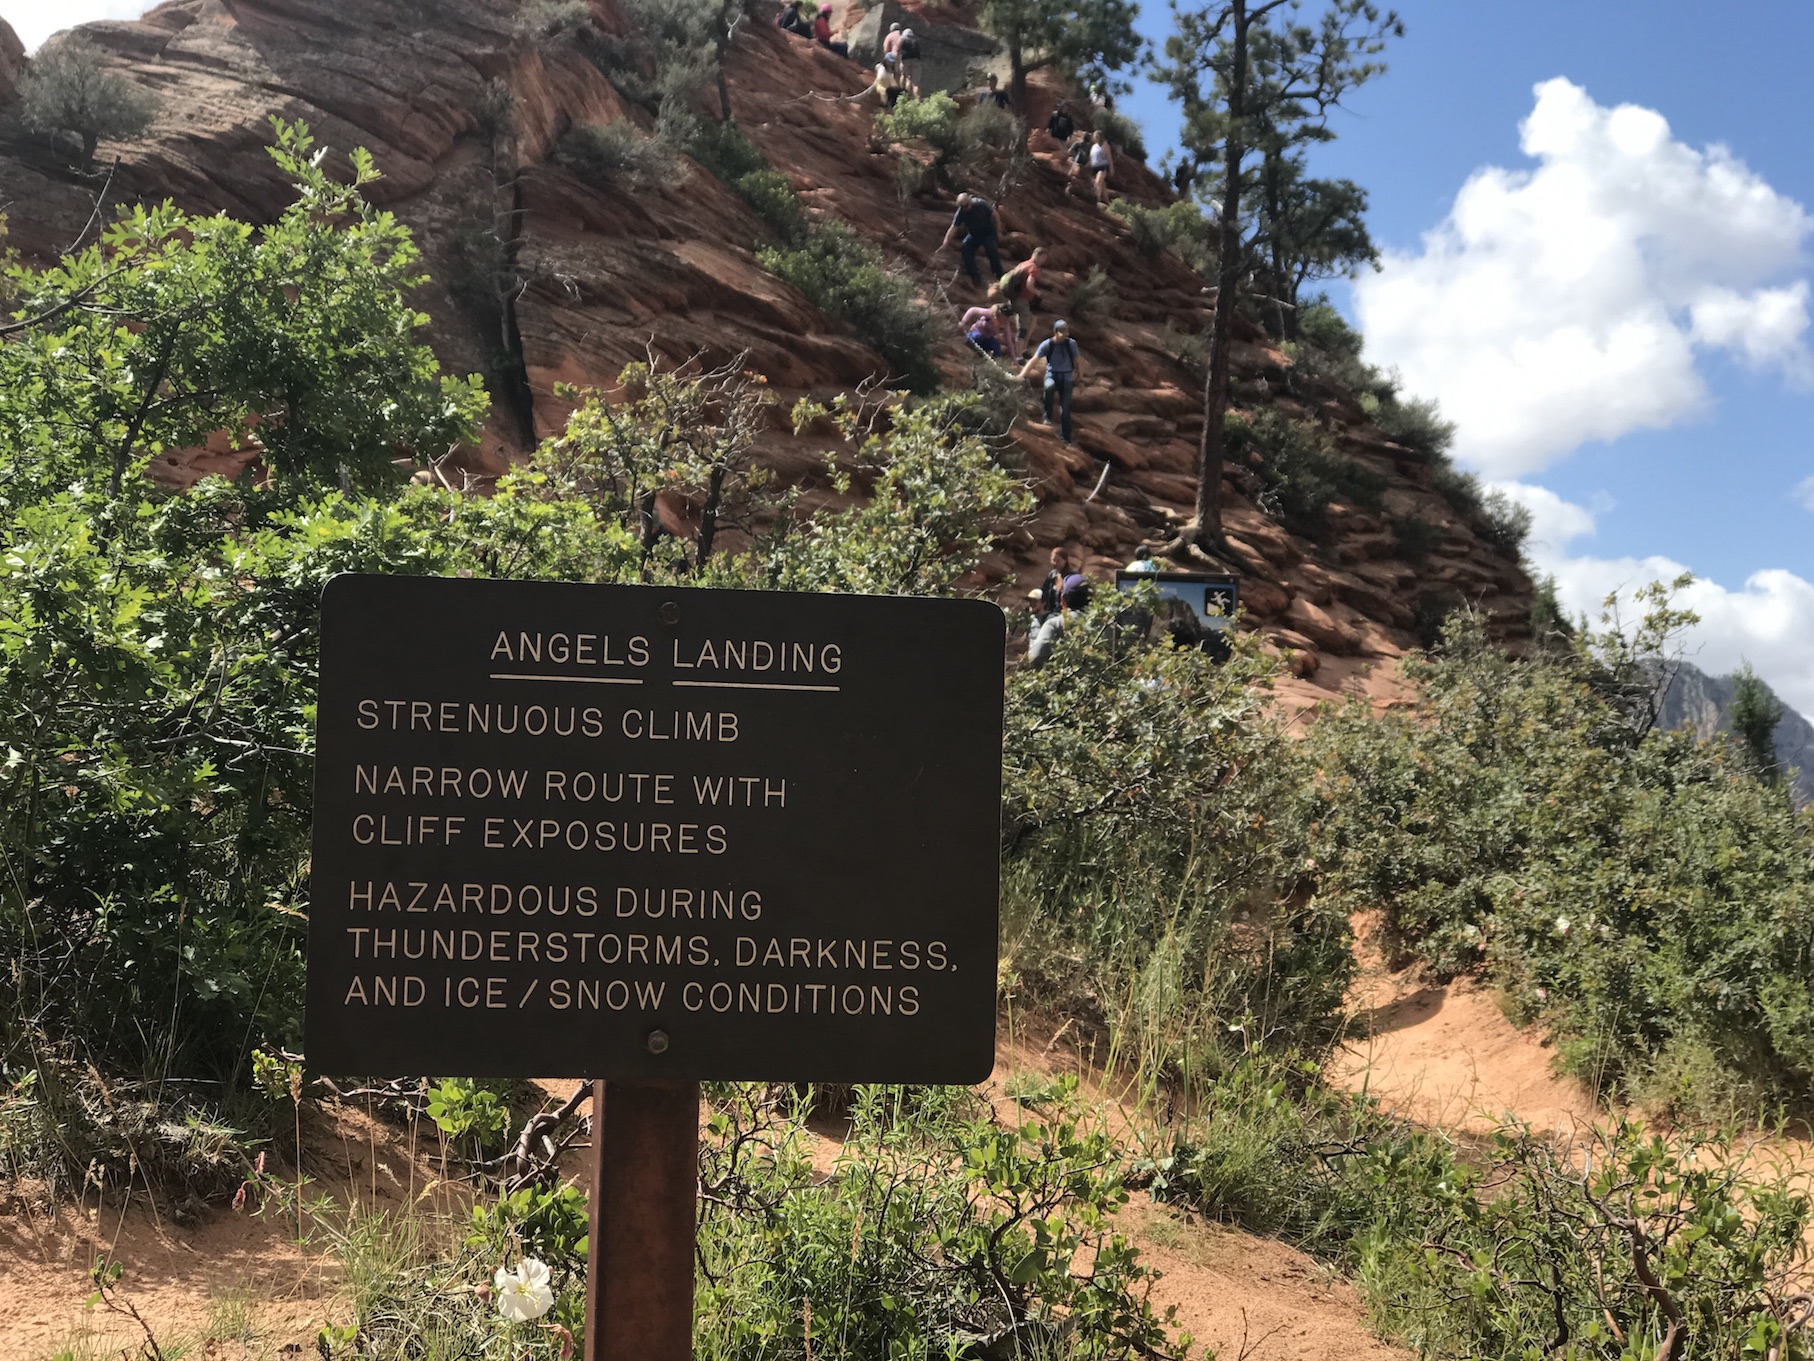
(663, 835)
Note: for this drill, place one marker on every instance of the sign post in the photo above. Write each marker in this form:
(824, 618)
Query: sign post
(653, 836)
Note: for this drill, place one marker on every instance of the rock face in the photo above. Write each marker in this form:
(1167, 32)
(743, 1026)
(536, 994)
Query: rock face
(614, 273)
(12, 61)
(1696, 700)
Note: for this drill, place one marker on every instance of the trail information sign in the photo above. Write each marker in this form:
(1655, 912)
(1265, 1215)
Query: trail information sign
(638, 833)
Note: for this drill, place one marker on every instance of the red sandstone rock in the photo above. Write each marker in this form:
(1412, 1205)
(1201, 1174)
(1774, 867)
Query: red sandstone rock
(673, 266)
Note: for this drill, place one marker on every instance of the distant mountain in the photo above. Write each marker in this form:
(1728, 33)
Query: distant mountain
(1702, 702)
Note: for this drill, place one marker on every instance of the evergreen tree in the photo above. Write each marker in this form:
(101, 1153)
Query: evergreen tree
(1253, 80)
(1754, 715)
(1069, 33)
(1308, 230)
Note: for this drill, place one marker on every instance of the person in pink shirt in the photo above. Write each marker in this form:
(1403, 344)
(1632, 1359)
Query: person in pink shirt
(991, 330)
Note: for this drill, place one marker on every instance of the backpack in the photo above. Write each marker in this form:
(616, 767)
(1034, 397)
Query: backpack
(910, 47)
(1012, 283)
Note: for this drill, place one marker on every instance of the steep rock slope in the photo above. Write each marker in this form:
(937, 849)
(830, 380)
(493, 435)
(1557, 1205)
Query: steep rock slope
(615, 273)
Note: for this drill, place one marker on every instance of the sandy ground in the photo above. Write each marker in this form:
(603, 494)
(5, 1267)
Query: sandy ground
(1445, 1054)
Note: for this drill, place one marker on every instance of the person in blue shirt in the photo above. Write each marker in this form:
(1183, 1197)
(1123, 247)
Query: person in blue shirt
(1059, 352)
(977, 219)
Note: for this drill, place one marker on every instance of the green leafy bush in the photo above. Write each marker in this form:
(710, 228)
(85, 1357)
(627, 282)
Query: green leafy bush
(1093, 297)
(987, 129)
(846, 278)
(605, 153)
(67, 89)
(939, 1233)
(934, 118)
(1631, 890)
(1415, 537)
(1417, 424)
(1301, 473)
(1178, 227)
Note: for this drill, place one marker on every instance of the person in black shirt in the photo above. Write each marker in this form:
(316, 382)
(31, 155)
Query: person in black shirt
(994, 94)
(976, 219)
(1061, 125)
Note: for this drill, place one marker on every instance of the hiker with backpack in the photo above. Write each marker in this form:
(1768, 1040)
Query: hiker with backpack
(822, 32)
(994, 94)
(1061, 125)
(891, 48)
(1059, 352)
(1019, 288)
(910, 60)
(976, 218)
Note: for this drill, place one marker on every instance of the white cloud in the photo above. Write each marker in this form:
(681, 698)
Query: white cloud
(1770, 622)
(1566, 303)
(1804, 493)
(36, 20)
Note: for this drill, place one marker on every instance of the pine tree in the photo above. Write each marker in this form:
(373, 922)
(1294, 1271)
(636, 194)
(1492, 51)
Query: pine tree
(1253, 80)
(1754, 714)
(1064, 33)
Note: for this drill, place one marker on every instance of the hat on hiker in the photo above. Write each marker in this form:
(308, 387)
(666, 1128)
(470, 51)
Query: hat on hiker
(825, 9)
(1061, 325)
(894, 28)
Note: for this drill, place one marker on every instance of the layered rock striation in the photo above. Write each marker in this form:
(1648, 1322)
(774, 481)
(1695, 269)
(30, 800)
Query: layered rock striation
(615, 273)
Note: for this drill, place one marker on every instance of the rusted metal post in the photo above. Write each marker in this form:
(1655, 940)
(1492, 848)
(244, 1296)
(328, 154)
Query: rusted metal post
(639, 1265)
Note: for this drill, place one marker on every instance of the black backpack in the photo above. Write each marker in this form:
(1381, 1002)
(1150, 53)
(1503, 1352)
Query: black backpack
(910, 47)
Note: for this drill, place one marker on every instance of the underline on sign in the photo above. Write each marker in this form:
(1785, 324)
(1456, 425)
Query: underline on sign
(570, 680)
(756, 685)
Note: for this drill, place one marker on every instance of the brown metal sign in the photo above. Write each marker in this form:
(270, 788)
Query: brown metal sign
(650, 833)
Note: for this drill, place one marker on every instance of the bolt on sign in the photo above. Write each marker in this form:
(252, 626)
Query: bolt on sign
(645, 833)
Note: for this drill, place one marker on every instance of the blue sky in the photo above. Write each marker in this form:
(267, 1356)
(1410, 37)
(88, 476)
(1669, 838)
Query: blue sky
(1692, 449)
(1595, 227)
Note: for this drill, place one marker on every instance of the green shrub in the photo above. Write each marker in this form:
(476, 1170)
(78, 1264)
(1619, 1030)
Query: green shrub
(606, 153)
(1123, 133)
(1302, 475)
(988, 129)
(67, 88)
(1093, 297)
(551, 24)
(1417, 424)
(1177, 227)
(933, 118)
(725, 151)
(1630, 890)
(939, 1233)
(1521, 1246)
(846, 278)
(1416, 537)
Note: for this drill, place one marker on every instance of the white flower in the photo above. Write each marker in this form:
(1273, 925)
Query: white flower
(1561, 926)
(524, 1294)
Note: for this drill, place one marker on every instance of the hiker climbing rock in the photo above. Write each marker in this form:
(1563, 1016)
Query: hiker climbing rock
(822, 33)
(1102, 165)
(976, 219)
(1019, 288)
(993, 95)
(1061, 125)
(1059, 351)
(891, 47)
(992, 330)
(910, 60)
(1077, 153)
